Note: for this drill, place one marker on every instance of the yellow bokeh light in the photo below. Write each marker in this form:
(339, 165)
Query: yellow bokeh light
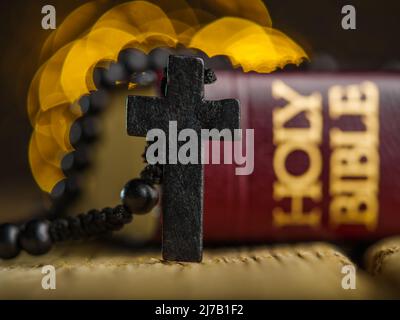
(241, 30)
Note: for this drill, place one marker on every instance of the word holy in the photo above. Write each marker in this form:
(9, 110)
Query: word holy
(186, 146)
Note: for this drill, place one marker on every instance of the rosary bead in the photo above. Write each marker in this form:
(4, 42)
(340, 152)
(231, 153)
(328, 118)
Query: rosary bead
(99, 100)
(144, 78)
(67, 163)
(158, 58)
(108, 77)
(66, 190)
(209, 76)
(152, 173)
(323, 62)
(219, 62)
(75, 133)
(84, 103)
(90, 128)
(9, 241)
(138, 196)
(84, 130)
(98, 76)
(134, 60)
(115, 72)
(75, 161)
(35, 237)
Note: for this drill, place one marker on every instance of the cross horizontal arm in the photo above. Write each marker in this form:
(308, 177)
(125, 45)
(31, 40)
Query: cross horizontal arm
(220, 114)
(144, 113)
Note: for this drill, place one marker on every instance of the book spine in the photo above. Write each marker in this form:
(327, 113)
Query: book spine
(326, 158)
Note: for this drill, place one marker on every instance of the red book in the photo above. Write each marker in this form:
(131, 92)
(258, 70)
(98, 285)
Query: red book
(326, 159)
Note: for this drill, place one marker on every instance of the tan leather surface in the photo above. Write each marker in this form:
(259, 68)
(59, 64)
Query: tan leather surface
(306, 271)
(383, 261)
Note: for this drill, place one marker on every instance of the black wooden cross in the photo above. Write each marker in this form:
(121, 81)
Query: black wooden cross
(182, 200)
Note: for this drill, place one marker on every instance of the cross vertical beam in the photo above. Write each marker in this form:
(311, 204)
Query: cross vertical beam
(182, 200)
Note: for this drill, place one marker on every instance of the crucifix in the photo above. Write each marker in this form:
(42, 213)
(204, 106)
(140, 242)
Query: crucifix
(182, 186)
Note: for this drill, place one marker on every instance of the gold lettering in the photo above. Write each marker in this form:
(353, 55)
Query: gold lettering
(289, 140)
(311, 105)
(358, 208)
(354, 162)
(354, 165)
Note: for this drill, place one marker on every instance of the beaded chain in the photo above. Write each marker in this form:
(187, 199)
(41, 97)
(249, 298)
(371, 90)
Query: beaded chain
(37, 236)
(138, 196)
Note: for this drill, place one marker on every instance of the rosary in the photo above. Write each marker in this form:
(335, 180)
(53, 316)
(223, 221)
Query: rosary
(182, 184)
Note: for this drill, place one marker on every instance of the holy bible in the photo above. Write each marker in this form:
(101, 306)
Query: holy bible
(324, 166)
(326, 154)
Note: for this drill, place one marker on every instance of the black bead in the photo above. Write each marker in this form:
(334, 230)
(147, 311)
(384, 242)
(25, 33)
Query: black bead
(108, 77)
(145, 78)
(138, 196)
(116, 72)
(35, 237)
(90, 128)
(84, 130)
(219, 62)
(84, 103)
(98, 77)
(75, 161)
(152, 173)
(66, 190)
(9, 241)
(323, 62)
(75, 133)
(133, 60)
(209, 76)
(99, 100)
(63, 195)
(158, 58)
(67, 163)
(59, 230)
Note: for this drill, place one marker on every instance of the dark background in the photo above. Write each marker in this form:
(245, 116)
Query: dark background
(314, 24)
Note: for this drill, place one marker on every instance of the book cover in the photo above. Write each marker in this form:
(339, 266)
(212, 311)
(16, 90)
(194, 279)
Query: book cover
(326, 154)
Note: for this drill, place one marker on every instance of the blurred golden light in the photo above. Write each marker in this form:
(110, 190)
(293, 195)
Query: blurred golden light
(241, 30)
